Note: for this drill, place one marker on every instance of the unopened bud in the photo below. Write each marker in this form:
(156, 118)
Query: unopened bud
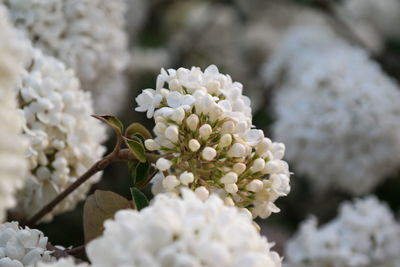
(172, 133)
(151, 145)
(202, 192)
(205, 131)
(186, 178)
(194, 145)
(170, 182)
(258, 165)
(192, 122)
(237, 150)
(225, 140)
(255, 186)
(229, 178)
(209, 153)
(239, 168)
(178, 115)
(163, 164)
(231, 188)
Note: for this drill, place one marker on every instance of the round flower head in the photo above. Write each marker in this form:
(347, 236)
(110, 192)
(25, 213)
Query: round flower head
(336, 110)
(87, 35)
(63, 262)
(64, 140)
(182, 232)
(21, 247)
(13, 165)
(203, 129)
(365, 234)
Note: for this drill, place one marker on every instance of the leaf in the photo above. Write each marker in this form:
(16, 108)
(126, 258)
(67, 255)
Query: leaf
(137, 128)
(139, 172)
(111, 121)
(139, 198)
(100, 206)
(137, 148)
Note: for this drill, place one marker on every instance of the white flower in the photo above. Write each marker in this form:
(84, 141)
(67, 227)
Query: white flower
(64, 140)
(365, 234)
(13, 166)
(21, 247)
(337, 112)
(87, 35)
(148, 100)
(182, 232)
(203, 127)
(63, 262)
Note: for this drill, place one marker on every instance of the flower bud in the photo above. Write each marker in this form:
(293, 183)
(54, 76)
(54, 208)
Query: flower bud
(194, 145)
(225, 140)
(255, 186)
(228, 127)
(172, 133)
(231, 188)
(215, 112)
(205, 131)
(209, 153)
(263, 146)
(229, 202)
(170, 182)
(202, 192)
(160, 128)
(151, 145)
(178, 115)
(192, 122)
(174, 85)
(163, 164)
(258, 165)
(237, 150)
(273, 166)
(229, 178)
(239, 168)
(186, 178)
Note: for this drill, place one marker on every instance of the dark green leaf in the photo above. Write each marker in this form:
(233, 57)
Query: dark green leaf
(141, 172)
(111, 121)
(139, 198)
(137, 148)
(137, 128)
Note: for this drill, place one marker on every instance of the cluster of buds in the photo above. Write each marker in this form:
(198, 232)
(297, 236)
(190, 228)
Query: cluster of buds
(204, 134)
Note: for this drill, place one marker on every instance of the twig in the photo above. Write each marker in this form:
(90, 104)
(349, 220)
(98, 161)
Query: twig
(115, 156)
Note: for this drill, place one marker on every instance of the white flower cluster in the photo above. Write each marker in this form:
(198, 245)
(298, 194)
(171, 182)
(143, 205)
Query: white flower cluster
(13, 166)
(373, 21)
(335, 108)
(365, 234)
(63, 262)
(87, 35)
(22, 247)
(64, 140)
(182, 232)
(204, 134)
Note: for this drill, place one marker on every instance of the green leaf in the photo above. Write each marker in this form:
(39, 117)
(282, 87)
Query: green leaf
(111, 121)
(137, 148)
(139, 198)
(100, 206)
(139, 172)
(137, 128)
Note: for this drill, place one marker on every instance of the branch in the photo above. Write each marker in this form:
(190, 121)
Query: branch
(115, 156)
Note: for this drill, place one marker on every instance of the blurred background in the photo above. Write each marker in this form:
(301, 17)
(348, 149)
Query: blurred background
(244, 38)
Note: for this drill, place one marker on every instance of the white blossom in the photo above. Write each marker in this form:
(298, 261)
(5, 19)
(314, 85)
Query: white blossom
(63, 262)
(372, 21)
(365, 234)
(87, 35)
(203, 130)
(64, 140)
(336, 111)
(21, 247)
(13, 166)
(182, 232)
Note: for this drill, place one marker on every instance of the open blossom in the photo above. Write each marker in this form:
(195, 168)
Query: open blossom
(87, 35)
(336, 110)
(182, 232)
(21, 247)
(64, 140)
(204, 132)
(365, 234)
(13, 166)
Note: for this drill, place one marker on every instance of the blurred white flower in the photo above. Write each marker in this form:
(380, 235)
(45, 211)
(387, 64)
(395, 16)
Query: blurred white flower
(13, 166)
(64, 140)
(336, 111)
(21, 247)
(373, 21)
(182, 232)
(365, 234)
(63, 262)
(87, 35)
(204, 133)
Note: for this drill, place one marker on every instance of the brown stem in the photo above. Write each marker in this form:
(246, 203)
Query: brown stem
(116, 155)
